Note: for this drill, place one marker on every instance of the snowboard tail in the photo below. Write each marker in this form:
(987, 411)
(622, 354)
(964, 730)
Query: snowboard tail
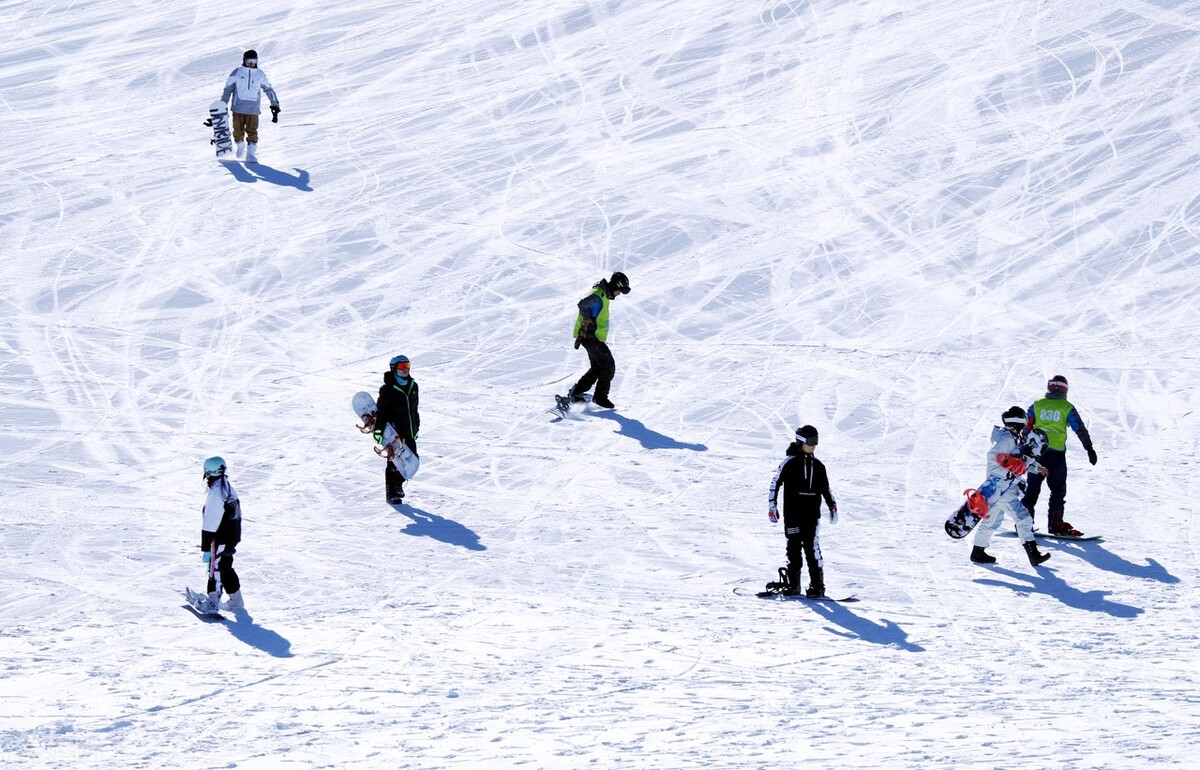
(200, 603)
(218, 118)
(962, 521)
(562, 404)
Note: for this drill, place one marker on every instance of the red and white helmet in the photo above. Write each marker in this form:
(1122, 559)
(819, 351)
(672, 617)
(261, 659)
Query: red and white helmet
(1057, 384)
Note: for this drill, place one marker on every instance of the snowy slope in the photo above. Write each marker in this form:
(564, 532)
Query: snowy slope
(891, 220)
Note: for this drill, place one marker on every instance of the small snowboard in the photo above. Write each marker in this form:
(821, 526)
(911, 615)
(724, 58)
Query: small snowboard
(199, 604)
(218, 118)
(780, 596)
(961, 522)
(403, 458)
(562, 405)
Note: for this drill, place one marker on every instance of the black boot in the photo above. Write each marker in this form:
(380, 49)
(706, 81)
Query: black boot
(980, 556)
(393, 484)
(1036, 557)
(816, 583)
(793, 582)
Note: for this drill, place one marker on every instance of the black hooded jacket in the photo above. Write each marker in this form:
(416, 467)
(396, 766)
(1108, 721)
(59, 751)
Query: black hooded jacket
(804, 482)
(397, 404)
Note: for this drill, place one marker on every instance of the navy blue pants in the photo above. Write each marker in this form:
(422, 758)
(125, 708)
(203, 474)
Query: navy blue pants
(1055, 463)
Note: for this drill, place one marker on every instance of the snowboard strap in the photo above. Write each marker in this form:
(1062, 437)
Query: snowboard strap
(782, 584)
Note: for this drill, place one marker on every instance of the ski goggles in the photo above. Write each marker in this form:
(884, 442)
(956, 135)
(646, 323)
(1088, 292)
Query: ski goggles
(403, 366)
(249, 62)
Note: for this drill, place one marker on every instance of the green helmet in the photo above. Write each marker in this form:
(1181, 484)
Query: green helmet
(214, 467)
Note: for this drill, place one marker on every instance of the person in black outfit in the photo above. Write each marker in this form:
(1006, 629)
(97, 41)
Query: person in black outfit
(397, 405)
(803, 480)
(591, 332)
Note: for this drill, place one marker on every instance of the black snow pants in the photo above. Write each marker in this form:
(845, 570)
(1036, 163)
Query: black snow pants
(224, 570)
(601, 371)
(802, 543)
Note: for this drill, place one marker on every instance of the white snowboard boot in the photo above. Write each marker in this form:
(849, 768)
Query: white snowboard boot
(234, 602)
(251, 152)
(241, 150)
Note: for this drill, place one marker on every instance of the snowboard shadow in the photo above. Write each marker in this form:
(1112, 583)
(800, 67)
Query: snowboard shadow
(247, 631)
(1101, 558)
(1048, 583)
(255, 172)
(426, 524)
(885, 633)
(649, 438)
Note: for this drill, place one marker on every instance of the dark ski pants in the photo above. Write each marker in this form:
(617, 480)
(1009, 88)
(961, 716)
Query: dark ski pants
(802, 543)
(601, 371)
(1055, 463)
(220, 571)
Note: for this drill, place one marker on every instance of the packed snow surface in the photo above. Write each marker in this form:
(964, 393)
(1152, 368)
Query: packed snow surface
(891, 220)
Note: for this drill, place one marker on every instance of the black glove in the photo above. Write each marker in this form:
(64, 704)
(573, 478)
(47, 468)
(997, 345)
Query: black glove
(274, 113)
(1091, 455)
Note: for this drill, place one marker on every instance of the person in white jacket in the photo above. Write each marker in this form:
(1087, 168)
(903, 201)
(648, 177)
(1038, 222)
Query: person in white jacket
(1012, 455)
(220, 532)
(245, 86)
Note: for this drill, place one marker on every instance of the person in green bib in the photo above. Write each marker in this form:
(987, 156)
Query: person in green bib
(591, 333)
(1054, 414)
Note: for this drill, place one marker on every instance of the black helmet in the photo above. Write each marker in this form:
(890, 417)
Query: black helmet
(1014, 418)
(619, 283)
(807, 434)
(250, 57)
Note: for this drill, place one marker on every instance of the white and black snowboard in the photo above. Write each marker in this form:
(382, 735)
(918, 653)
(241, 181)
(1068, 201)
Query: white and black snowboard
(218, 118)
(402, 457)
(960, 523)
(201, 605)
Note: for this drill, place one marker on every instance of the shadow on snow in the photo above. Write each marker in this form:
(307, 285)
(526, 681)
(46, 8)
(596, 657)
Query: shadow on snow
(426, 524)
(1101, 558)
(1048, 583)
(246, 630)
(254, 172)
(885, 633)
(651, 439)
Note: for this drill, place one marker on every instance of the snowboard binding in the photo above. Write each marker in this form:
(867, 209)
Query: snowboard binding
(781, 586)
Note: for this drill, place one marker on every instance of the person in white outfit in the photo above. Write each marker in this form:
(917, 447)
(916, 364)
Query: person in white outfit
(220, 532)
(1012, 455)
(245, 86)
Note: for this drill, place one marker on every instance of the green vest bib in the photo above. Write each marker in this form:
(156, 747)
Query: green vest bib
(601, 320)
(1050, 414)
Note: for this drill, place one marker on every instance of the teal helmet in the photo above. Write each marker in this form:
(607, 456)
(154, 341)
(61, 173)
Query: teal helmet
(400, 365)
(214, 467)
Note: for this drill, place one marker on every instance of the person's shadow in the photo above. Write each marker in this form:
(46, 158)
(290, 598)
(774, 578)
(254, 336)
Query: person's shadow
(651, 439)
(1096, 555)
(254, 172)
(426, 524)
(886, 633)
(246, 630)
(1048, 583)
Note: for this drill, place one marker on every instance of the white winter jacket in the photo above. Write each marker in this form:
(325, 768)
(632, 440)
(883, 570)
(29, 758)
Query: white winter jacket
(1004, 443)
(246, 85)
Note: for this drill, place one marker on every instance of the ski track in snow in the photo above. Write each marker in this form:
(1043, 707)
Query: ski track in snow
(891, 220)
